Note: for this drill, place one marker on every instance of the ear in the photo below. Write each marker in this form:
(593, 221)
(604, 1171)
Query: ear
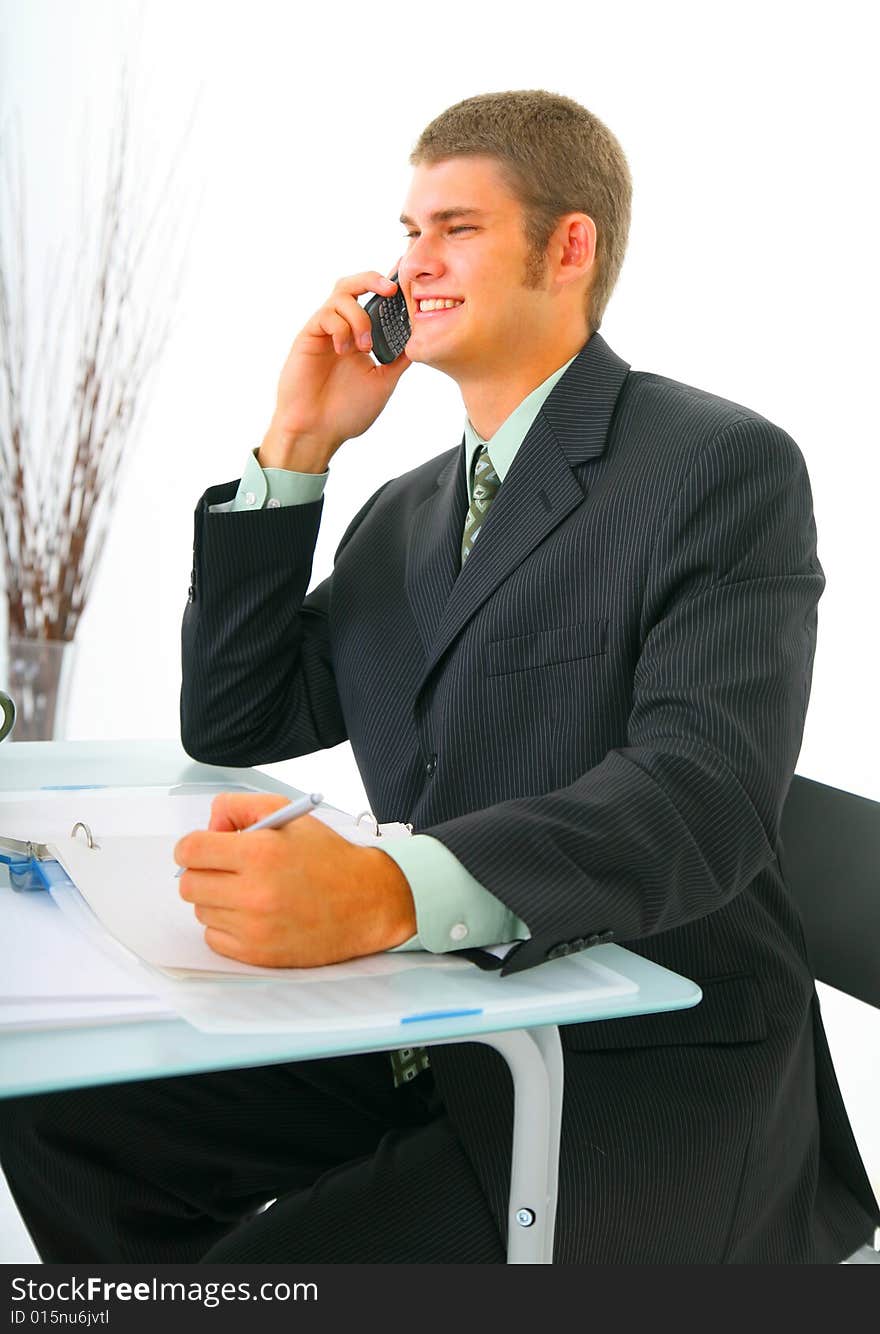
(573, 247)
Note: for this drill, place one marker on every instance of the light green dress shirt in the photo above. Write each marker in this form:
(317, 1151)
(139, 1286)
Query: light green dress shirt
(453, 910)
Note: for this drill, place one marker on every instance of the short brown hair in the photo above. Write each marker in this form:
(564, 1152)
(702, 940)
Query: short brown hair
(557, 158)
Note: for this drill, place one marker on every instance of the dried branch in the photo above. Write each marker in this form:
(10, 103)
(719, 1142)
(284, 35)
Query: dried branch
(83, 393)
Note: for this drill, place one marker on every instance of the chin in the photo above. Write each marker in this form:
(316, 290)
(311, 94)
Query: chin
(413, 351)
(442, 357)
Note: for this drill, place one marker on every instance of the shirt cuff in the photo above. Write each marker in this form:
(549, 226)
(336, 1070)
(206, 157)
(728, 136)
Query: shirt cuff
(272, 488)
(453, 910)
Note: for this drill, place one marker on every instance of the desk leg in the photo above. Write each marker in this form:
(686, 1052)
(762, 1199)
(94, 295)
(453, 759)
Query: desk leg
(547, 1041)
(535, 1060)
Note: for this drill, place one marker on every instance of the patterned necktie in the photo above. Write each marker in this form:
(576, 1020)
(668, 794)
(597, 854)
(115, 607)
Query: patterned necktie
(409, 1062)
(486, 484)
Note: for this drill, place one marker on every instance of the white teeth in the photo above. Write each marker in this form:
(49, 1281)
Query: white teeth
(444, 304)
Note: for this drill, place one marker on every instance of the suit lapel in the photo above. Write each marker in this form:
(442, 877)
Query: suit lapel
(433, 557)
(539, 491)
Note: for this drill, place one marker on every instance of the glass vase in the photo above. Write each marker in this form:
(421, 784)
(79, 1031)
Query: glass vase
(38, 676)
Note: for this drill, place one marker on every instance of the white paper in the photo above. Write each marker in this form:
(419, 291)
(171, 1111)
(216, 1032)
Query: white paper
(422, 988)
(131, 886)
(44, 816)
(49, 816)
(42, 956)
(52, 977)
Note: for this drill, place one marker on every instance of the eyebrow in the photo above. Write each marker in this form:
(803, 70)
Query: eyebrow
(446, 214)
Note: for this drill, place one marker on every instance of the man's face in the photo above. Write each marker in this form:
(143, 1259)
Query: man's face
(466, 243)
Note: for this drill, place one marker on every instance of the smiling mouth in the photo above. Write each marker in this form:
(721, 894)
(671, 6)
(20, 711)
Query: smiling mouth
(435, 311)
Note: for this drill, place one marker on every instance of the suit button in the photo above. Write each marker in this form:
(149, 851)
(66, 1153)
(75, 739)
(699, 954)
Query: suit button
(559, 951)
(430, 765)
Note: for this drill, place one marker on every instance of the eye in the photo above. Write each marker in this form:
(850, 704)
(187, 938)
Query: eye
(464, 227)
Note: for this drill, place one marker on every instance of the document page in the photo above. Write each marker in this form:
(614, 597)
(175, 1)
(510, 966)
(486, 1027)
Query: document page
(131, 886)
(43, 816)
(50, 976)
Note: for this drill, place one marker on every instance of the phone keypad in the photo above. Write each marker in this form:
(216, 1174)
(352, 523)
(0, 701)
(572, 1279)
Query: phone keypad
(389, 318)
(394, 319)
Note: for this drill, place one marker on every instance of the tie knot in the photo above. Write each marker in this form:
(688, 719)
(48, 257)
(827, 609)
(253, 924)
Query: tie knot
(486, 479)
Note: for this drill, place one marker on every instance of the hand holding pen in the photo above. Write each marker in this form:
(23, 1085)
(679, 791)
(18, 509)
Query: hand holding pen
(295, 895)
(292, 811)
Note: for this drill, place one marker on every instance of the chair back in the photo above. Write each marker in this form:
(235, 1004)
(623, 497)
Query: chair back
(831, 861)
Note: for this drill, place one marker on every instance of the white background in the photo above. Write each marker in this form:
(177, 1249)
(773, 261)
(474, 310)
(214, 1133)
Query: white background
(752, 272)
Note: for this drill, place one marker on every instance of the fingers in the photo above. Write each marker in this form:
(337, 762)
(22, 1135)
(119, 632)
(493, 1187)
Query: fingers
(206, 850)
(245, 936)
(355, 324)
(214, 889)
(238, 936)
(232, 947)
(221, 942)
(222, 919)
(358, 284)
(237, 810)
(229, 811)
(260, 853)
(224, 871)
(344, 319)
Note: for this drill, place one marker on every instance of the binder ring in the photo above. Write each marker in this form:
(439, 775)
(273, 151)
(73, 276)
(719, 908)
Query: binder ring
(370, 816)
(80, 824)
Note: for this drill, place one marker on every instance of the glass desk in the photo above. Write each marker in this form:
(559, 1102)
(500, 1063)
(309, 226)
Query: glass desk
(527, 1035)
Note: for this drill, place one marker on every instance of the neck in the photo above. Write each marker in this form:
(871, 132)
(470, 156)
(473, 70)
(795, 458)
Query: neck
(491, 394)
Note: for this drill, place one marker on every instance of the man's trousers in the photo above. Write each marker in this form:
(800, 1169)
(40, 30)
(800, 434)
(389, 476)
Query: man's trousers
(177, 1170)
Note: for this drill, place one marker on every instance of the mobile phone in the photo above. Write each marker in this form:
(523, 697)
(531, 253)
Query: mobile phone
(389, 318)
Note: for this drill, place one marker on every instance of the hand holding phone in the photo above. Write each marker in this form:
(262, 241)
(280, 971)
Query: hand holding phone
(331, 389)
(389, 319)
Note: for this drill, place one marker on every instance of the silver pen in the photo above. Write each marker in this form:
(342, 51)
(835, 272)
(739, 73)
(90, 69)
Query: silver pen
(302, 806)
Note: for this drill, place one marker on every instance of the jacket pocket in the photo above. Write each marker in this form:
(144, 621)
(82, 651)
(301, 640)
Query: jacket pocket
(732, 1010)
(563, 643)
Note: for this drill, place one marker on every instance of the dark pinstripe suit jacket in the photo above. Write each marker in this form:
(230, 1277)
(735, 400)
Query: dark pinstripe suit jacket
(599, 716)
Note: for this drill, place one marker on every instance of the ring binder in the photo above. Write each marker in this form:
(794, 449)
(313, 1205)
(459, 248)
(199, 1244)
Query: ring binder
(80, 824)
(378, 830)
(37, 866)
(29, 863)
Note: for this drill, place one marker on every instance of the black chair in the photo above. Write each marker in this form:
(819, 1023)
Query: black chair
(831, 859)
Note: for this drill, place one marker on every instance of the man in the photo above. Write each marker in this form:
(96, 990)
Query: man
(574, 653)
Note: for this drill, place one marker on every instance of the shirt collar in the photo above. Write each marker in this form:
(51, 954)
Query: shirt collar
(507, 439)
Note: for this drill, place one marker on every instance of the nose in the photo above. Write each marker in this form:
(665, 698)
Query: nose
(422, 260)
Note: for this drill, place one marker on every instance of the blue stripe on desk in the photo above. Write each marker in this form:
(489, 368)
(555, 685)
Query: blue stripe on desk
(72, 787)
(437, 1014)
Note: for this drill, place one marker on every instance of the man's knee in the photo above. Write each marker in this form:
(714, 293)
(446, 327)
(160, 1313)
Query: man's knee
(21, 1124)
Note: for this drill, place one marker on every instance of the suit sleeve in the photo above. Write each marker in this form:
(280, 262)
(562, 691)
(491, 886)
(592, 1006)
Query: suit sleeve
(257, 682)
(672, 825)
